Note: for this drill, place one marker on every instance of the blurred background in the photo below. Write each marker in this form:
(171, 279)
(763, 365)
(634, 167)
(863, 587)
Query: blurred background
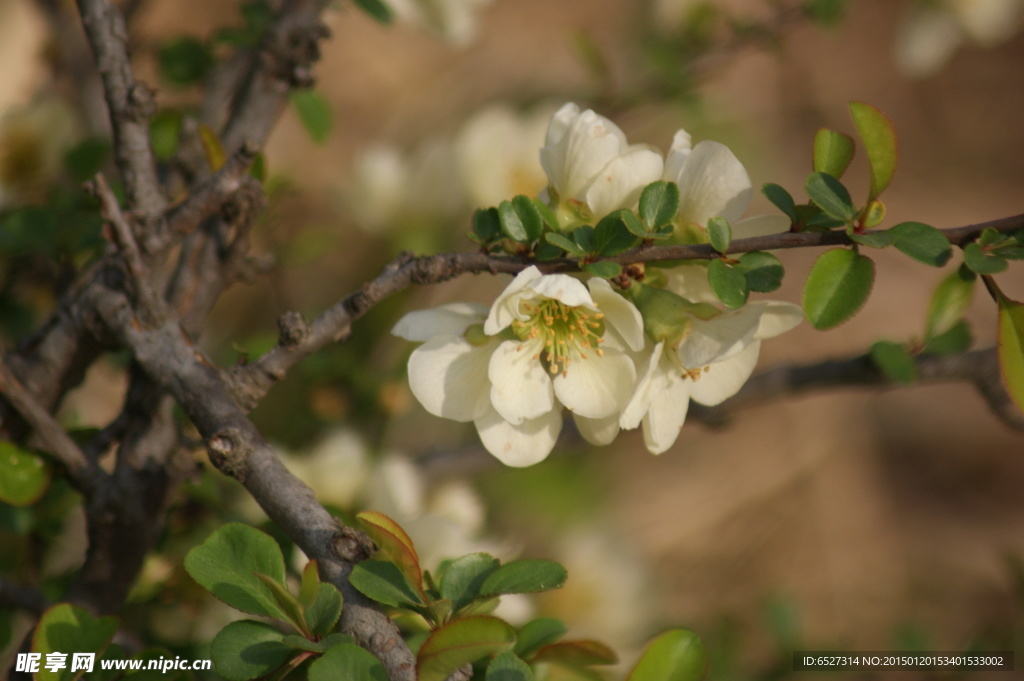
(847, 519)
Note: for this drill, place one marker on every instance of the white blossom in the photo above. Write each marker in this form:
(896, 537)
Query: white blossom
(455, 21)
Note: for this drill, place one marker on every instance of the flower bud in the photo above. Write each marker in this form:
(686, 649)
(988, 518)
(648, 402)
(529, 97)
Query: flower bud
(667, 316)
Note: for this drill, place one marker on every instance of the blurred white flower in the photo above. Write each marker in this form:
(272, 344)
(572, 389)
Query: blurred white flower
(33, 141)
(455, 21)
(933, 30)
(336, 468)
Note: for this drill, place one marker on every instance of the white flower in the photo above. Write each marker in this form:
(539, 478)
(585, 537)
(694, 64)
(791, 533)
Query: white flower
(933, 30)
(453, 20)
(33, 141)
(588, 161)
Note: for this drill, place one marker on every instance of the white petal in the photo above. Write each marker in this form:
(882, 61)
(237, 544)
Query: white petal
(451, 320)
(598, 431)
(667, 411)
(926, 40)
(760, 225)
(722, 380)
(519, 445)
(560, 123)
(691, 282)
(620, 183)
(777, 317)
(448, 376)
(506, 307)
(718, 339)
(564, 288)
(587, 145)
(620, 314)
(682, 145)
(520, 386)
(643, 391)
(597, 386)
(712, 183)
(989, 22)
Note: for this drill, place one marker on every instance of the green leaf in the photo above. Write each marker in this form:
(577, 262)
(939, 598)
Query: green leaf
(247, 650)
(394, 543)
(564, 242)
(320, 646)
(546, 214)
(226, 565)
(584, 238)
(463, 577)
(949, 302)
(611, 235)
(538, 633)
(782, 200)
(347, 662)
(981, 262)
(582, 653)
(323, 613)
(879, 138)
(874, 239)
(633, 224)
(923, 243)
(86, 158)
(763, 271)
(164, 129)
(659, 203)
(828, 13)
(874, 213)
(524, 576)
(288, 603)
(1011, 345)
(24, 477)
(486, 224)
(309, 587)
(954, 341)
(676, 655)
(604, 269)
(512, 224)
(833, 152)
(831, 196)
(184, 61)
(529, 216)
(384, 582)
(66, 628)
(507, 667)
(895, 361)
(728, 284)
(212, 147)
(461, 642)
(720, 234)
(377, 10)
(314, 112)
(837, 286)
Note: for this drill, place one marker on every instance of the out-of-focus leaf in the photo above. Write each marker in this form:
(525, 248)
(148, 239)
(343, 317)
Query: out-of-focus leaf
(460, 642)
(833, 152)
(895, 361)
(314, 112)
(24, 476)
(879, 138)
(676, 655)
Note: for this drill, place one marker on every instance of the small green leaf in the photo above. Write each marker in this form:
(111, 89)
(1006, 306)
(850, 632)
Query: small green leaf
(524, 576)
(837, 286)
(584, 238)
(604, 269)
(377, 10)
(879, 138)
(874, 239)
(949, 302)
(461, 642)
(258, 169)
(384, 582)
(720, 234)
(728, 284)
(633, 224)
(564, 242)
(923, 243)
(511, 224)
(782, 200)
(86, 158)
(247, 650)
(347, 662)
(164, 129)
(581, 653)
(763, 271)
(212, 147)
(486, 224)
(833, 152)
(991, 237)
(323, 613)
(546, 214)
(954, 341)
(309, 587)
(895, 361)
(226, 565)
(184, 61)
(538, 633)
(66, 628)
(24, 477)
(676, 655)
(319, 646)
(463, 577)
(874, 214)
(828, 13)
(831, 196)
(611, 236)
(314, 112)
(529, 216)
(1011, 346)
(659, 203)
(394, 543)
(507, 667)
(981, 262)
(288, 603)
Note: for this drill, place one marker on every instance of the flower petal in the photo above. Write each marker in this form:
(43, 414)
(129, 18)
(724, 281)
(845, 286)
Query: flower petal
(722, 380)
(451, 320)
(519, 445)
(505, 308)
(448, 376)
(620, 315)
(718, 339)
(620, 183)
(712, 183)
(682, 145)
(520, 386)
(691, 282)
(584, 148)
(777, 317)
(597, 386)
(598, 431)
(760, 225)
(564, 288)
(643, 392)
(667, 411)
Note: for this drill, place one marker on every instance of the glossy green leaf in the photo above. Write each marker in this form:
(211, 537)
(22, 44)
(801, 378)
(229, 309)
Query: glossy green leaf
(347, 662)
(763, 271)
(584, 238)
(288, 603)
(511, 223)
(954, 341)
(894, 361)
(546, 214)
(314, 112)
(247, 650)
(676, 655)
(384, 582)
(949, 302)
(323, 613)
(226, 565)
(376, 9)
(1011, 346)
(833, 152)
(981, 262)
(529, 216)
(66, 628)
(720, 234)
(604, 269)
(831, 196)
(184, 61)
(309, 586)
(24, 476)
(524, 576)
(730, 285)
(394, 543)
(461, 642)
(611, 236)
(782, 200)
(874, 239)
(922, 242)
(564, 242)
(580, 653)
(486, 225)
(837, 286)
(659, 203)
(463, 577)
(538, 633)
(879, 138)
(507, 667)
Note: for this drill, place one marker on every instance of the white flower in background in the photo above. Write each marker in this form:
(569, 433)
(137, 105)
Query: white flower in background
(496, 150)
(453, 20)
(933, 30)
(591, 168)
(33, 141)
(336, 468)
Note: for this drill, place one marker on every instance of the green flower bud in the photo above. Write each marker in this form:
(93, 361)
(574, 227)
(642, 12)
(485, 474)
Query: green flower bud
(667, 316)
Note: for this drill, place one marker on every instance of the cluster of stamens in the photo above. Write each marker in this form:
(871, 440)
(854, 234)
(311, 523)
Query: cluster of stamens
(561, 329)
